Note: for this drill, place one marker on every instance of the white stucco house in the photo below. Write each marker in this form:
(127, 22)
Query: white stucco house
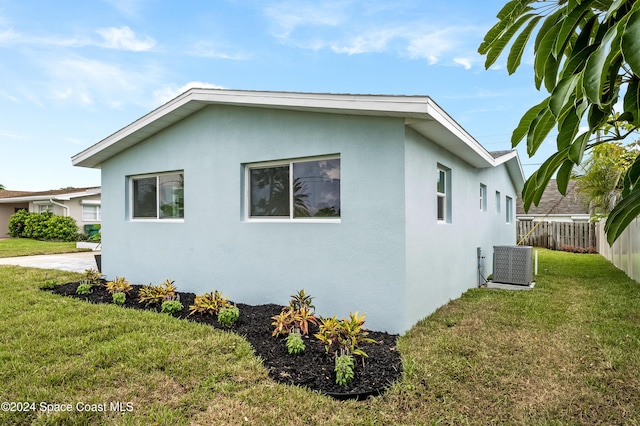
(82, 204)
(371, 203)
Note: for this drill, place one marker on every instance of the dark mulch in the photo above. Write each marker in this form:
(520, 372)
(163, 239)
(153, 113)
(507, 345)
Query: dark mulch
(313, 368)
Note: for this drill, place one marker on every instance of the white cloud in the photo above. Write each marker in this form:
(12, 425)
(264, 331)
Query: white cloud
(208, 49)
(124, 38)
(166, 93)
(289, 15)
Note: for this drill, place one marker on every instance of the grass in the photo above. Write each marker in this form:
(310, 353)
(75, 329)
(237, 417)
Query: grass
(567, 352)
(13, 247)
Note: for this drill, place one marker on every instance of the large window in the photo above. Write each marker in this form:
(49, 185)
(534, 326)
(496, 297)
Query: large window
(91, 213)
(298, 189)
(443, 192)
(158, 196)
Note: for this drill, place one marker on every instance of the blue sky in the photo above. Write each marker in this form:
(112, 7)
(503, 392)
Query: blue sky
(74, 72)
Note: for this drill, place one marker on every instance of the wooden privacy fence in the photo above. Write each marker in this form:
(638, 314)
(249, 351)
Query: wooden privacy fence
(554, 235)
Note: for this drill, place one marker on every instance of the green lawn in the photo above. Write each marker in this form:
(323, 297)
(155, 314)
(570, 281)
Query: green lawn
(567, 352)
(12, 247)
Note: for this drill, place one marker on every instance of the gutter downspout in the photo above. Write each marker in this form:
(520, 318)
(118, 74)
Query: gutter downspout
(66, 208)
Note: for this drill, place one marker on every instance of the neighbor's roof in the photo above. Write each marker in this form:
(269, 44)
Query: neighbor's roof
(420, 113)
(553, 203)
(8, 196)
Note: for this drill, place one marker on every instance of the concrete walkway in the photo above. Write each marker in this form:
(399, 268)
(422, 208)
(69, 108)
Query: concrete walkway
(75, 262)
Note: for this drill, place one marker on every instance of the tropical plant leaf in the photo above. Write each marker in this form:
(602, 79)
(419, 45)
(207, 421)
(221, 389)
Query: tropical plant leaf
(631, 102)
(631, 42)
(576, 150)
(569, 24)
(563, 176)
(492, 35)
(615, 5)
(525, 122)
(545, 173)
(597, 117)
(499, 44)
(561, 98)
(567, 129)
(543, 54)
(512, 8)
(631, 177)
(538, 131)
(598, 64)
(622, 215)
(517, 49)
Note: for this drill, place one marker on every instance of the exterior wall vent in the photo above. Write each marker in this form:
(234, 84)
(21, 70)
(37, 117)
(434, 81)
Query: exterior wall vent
(512, 265)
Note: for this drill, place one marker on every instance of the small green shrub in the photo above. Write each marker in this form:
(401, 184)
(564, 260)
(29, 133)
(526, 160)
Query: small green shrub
(295, 344)
(17, 222)
(228, 315)
(171, 307)
(344, 336)
(119, 298)
(344, 370)
(156, 294)
(83, 288)
(92, 276)
(43, 226)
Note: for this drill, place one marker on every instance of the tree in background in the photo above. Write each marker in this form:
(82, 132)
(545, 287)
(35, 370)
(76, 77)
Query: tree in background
(1, 187)
(601, 180)
(586, 56)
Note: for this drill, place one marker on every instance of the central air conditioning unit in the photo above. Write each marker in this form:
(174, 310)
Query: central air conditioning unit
(512, 265)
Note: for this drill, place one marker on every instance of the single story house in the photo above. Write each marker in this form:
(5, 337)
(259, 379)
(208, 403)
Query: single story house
(243, 192)
(555, 207)
(82, 204)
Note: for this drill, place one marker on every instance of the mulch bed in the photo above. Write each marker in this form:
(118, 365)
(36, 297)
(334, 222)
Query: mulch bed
(312, 369)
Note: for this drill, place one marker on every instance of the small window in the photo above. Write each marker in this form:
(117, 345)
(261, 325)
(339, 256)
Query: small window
(443, 194)
(509, 210)
(299, 189)
(498, 207)
(157, 196)
(91, 213)
(483, 197)
(43, 208)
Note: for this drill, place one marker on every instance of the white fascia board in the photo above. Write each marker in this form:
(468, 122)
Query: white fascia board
(59, 197)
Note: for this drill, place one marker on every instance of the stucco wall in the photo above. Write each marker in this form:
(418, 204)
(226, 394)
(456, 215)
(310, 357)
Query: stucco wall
(442, 257)
(357, 264)
(6, 211)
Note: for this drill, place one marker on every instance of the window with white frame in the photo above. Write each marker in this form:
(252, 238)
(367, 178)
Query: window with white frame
(42, 208)
(509, 210)
(483, 197)
(498, 206)
(443, 193)
(294, 189)
(91, 213)
(159, 196)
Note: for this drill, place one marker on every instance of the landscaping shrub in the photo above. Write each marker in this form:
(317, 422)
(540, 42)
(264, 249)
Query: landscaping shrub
(42, 226)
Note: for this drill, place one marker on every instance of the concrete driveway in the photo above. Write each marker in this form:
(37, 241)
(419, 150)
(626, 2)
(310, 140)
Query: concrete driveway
(75, 262)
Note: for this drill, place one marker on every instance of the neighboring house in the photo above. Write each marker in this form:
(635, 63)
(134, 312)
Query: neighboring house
(82, 204)
(555, 207)
(375, 204)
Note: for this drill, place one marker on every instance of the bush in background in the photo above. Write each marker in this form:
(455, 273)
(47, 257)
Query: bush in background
(42, 226)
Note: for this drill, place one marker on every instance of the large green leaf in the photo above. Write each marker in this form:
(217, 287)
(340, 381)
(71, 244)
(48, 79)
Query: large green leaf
(525, 122)
(551, 67)
(499, 44)
(615, 5)
(631, 42)
(576, 150)
(543, 54)
(517, 49)
(545, 173)
(550, 22)
(632, 177)
(538, 131)
(597, 117)
(567, 129)
(569, 24)
(563, 96)
(622, 215)
(631, 103)
(512, 9)
(597, 66)
(563, 176)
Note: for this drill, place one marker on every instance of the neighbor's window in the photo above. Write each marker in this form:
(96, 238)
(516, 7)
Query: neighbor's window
(483, 197)
(509, 210)
(42, 208)
(443, 192)
(91, 213)
(158, 196)
(497, 201)
(298, 189)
